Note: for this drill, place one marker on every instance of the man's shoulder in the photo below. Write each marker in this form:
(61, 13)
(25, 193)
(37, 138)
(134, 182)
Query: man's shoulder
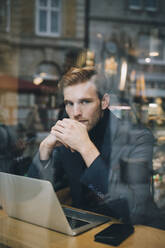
(134, 130)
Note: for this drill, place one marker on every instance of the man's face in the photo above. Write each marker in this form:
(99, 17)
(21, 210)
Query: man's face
(83, 104)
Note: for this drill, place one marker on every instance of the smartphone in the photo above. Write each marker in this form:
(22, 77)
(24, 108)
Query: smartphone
(114, 234)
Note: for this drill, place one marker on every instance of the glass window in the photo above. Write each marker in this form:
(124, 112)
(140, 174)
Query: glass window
(5, 15)
(144, 45)
(55, 3)
(135, 4)
(123, 139)
(151, 47)
(48, 17)
(43, 3)
(156, 48)
(43, 18)
(151, 5)
(54, 21)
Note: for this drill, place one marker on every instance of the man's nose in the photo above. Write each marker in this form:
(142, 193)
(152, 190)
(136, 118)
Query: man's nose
(76, 110)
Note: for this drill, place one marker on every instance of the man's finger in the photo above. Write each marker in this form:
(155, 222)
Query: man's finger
(59, 129)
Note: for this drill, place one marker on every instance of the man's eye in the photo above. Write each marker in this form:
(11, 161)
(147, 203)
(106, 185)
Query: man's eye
(84, 102)
(68, 104)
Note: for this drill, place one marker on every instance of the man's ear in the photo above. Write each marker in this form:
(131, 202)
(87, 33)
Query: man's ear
(105, 101)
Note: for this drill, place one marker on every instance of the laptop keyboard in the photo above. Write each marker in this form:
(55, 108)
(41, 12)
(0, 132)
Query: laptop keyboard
(80, 214)
(78, 218)
(75, 223)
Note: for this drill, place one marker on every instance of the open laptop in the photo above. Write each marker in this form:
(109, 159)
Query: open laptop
(35, 201)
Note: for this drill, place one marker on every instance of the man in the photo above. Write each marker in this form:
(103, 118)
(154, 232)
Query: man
(97, 152)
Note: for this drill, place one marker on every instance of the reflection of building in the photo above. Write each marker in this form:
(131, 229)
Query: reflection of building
(39, 32)
(133, 30)
(39, 40)
(35, 36)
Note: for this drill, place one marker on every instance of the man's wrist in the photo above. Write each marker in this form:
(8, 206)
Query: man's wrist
(44, 151)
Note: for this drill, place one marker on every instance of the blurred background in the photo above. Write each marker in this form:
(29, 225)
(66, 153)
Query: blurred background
(41, 39)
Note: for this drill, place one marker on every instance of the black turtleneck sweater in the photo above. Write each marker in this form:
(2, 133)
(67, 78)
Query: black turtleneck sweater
(98, 132)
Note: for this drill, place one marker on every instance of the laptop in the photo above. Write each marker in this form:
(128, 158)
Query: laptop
(35, 201)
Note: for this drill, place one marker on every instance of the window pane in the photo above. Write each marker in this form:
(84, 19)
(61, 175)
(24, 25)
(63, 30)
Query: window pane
(54, 22)
(151, 3)
(5, 15)
(2, 8)
(43, 3)
(42, 21)
(55, 3)
(144, 46)
(135, 3)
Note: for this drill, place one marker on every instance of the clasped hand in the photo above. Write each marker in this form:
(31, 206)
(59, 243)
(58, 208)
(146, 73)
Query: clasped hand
(71, 133)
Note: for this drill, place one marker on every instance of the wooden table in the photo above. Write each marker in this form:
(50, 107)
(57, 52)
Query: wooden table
(19, 234)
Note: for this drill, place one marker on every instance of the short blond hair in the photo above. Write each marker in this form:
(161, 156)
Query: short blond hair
(81, 75)
(76, 75)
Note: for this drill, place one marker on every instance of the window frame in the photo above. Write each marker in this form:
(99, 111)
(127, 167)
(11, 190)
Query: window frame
(48, 8)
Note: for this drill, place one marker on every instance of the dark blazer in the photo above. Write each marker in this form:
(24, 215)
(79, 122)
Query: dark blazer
(118, 182)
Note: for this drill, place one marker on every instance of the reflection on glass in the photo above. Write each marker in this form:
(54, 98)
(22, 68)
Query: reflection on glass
(55, 3)
(124, 40)
(54, 22)
(151, 4)
(43, 21)
(135, 4)
(43, 3)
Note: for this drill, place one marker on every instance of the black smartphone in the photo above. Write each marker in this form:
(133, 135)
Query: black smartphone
(114, 234)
